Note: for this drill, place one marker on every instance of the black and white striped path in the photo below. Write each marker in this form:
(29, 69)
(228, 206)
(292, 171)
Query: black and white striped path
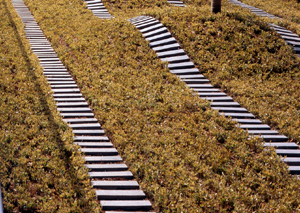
(168, 50)
(114, 184)
(176, 3)
(289, 37)
(99, 10)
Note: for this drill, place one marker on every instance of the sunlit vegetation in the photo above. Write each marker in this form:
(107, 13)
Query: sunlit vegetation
(185, 156)
(238, 51)
(40, 169)
(261, 71)
(287, 9)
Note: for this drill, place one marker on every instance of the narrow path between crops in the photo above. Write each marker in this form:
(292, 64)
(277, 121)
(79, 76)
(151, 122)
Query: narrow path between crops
(114, 184)
(168, 50)
(289, 37)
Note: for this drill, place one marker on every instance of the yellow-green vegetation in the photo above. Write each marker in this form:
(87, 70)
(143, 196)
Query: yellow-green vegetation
(261, 71)
(238, 52)
(125, 8)
(40, 170)
(185, 156)
(287, 9)
(197, 2)
(128, 7)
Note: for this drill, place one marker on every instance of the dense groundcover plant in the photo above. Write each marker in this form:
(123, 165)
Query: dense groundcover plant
(121, 8)
(185, 156)
(40, 169)
(262, 76)
(287, 9)
(260, 71)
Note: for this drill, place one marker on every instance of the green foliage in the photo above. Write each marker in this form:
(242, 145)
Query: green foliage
(185, 156)
(41, 170)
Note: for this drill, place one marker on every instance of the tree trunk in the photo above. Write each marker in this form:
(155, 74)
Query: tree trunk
(215, 6)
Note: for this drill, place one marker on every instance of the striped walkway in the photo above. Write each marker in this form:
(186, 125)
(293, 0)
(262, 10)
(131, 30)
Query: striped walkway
(168, 50)
(99, 10)
(114, 185)
(289, 37)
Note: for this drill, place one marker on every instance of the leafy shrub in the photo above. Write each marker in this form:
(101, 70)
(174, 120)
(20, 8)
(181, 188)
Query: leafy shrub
(185, 156)
(41, 170)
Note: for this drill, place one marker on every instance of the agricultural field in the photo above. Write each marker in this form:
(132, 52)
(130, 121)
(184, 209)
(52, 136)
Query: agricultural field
(185, 156)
